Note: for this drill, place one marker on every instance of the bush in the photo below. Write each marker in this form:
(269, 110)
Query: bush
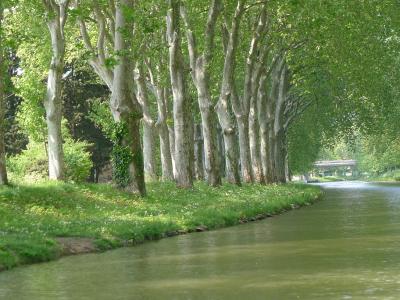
(32, 164)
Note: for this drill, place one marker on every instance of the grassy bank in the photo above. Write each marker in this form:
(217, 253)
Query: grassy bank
(331, 179)
(391, 176)
(36, 220)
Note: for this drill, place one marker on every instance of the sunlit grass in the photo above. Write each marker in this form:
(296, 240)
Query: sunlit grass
(32, 216)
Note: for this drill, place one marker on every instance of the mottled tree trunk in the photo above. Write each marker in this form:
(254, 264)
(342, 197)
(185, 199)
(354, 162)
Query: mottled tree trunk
(3, 170)
(262, 103)
(161, 95)
(244, 148)
(149, 154)
(124, 105)
(221, 151)
(166, 159)
(171, 133)
(247, 111)
(227, 90)
(198, 152)
(182, 114)
(254, 141)
(242, 120)
(200, 65)
(57, 14)
(279, 132)
(280, 156)
(149, 151)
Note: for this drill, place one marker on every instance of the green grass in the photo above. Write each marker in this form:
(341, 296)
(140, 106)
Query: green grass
(391, 176)
(331, 179)
(33, 216)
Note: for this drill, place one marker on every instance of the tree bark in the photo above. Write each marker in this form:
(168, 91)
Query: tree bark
(242, 120)
(251, 154)
(262, 102)
(3, 169)
(201, 76)
(254, 141)
(198, 152)
(244, 148)
(57, 15)
(148, 127)
(161, 96)
(166, 159)
(124, 105)
(223, 110)
(182, 122)
(279, 132)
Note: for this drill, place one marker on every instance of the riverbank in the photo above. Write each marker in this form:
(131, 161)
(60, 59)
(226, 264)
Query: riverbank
(46, 221)
(391, 176)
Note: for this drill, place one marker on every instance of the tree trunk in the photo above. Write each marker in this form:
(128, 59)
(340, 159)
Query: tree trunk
(182, 122)
(279, 157)
(53, 103)
(148, 127)
(161, 95)
(3, 170)
(250, 152)
(227, 90)
(171, 134)
(198, 152)
(209, 132)
(166, 158)
(149, 151)
(279, 132)
(244, 148)
(200, 74)
(221, 151)
(124, 105)
(262, 102)
(254, 139)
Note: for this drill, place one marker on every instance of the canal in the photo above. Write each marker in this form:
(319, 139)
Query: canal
(344, 247)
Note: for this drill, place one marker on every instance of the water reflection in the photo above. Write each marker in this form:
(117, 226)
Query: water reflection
(346, 247)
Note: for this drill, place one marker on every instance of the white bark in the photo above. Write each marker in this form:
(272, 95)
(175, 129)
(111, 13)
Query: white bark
(148, 127)
(120, 79)
(201, 76)
(57, 15)
(183, 138)
(162, 100)
(278, 129)
(252, 75)
(223, 105)
(124, 105)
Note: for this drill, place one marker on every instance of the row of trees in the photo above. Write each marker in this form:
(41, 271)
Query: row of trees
(229, 87)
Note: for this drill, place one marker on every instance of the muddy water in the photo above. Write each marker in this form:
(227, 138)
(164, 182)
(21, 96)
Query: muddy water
(345, 247)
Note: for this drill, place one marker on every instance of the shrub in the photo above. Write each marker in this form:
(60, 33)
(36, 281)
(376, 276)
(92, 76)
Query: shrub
(32, 164)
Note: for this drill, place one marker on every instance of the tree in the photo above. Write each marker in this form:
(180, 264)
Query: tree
(227, 93)
(117, 72)
(56, 19)
(3, 170)
(182, 121)
(200, 70)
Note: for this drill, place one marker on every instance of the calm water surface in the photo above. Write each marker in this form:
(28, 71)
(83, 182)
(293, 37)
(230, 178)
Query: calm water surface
(345, 247)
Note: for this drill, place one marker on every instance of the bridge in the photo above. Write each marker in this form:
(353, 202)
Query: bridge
(327, 164)
(338, 167)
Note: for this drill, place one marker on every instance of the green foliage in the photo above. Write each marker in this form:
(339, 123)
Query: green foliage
(33, 217)
(121, 158)
(32, 164)
(101, 116)
(121, 155)
(78, 161)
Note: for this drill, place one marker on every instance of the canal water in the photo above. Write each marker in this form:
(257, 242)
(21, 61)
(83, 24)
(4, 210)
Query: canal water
(344, 247)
